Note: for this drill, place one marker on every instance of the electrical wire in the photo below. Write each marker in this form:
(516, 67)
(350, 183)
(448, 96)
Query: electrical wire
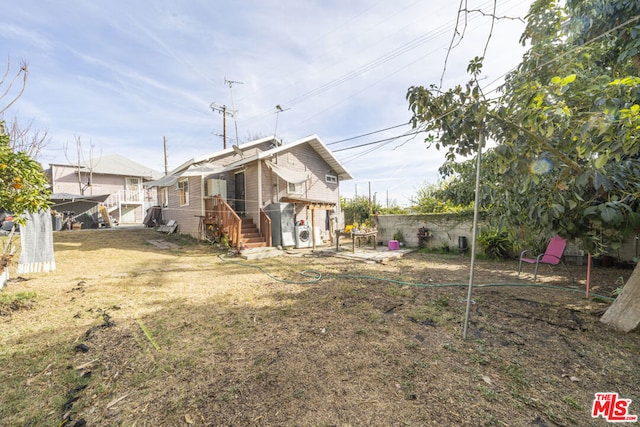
(629, 21)
(367, 134)
(377, 142)
(381, 60)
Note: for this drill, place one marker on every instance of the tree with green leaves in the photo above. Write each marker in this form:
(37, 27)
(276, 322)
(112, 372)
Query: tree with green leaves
(358, 210)
(23, 185)
(435, 198)
(565, 124)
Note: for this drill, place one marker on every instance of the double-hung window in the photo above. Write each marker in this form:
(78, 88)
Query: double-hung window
(183, 190)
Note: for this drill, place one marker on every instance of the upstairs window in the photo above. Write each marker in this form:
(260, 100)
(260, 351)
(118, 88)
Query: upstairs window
(331, 179)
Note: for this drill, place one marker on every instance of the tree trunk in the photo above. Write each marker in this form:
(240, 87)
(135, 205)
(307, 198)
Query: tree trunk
(624, 313)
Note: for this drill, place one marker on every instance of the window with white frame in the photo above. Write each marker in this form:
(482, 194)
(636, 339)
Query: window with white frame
(331, 179)
(183, 190)
(293, 188)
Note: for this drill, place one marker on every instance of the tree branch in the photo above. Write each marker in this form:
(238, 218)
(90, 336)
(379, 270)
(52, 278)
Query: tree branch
(24, 71)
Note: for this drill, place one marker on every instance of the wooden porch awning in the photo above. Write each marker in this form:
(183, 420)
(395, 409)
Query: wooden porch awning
(313, 204)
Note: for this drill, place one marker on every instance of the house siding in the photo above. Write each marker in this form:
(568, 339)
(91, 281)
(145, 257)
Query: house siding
(252, 206)
(187, 217)
(304, 159)
(64, 179)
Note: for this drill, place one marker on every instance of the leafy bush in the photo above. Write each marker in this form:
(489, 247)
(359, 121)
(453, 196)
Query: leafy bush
(496, 244)
(358, 209)
(398, 236)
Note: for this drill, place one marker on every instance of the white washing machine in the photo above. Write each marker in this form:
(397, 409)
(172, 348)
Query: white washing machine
(303, 236)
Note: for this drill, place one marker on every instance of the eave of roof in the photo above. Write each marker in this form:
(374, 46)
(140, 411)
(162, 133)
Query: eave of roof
(315, 143)
(115, 164)
(221, 153)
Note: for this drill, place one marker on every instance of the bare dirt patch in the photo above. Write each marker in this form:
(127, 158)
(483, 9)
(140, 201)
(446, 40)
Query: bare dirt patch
(128, 333)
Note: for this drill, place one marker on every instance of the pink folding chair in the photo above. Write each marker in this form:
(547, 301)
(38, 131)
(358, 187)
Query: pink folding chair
(552, 256)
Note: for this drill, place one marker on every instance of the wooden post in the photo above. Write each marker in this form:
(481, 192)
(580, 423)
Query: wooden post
(313, 227)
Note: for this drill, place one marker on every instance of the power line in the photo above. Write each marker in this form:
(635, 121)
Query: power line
(366, 134)
(413, 44)
(378, 141)
(629, 21)
(381, 60)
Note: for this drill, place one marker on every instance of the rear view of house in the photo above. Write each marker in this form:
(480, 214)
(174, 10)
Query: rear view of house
(261, 193)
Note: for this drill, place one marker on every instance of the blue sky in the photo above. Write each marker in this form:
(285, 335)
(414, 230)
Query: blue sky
(122, 75)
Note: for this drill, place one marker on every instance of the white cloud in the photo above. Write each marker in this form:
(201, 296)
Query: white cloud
(126, 74)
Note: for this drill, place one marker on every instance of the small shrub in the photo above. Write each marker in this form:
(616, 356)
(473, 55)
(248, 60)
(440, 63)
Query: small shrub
(496, 243)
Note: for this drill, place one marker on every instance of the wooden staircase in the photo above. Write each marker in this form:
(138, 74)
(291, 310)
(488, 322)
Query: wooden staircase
(250, 236)
(241, 232)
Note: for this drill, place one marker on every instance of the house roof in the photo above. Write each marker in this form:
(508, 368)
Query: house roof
(313, 141)
(221, 153)
(197, 169)
(116, 164)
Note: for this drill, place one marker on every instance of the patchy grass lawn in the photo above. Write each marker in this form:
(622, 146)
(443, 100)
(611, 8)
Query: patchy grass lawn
(140, 328)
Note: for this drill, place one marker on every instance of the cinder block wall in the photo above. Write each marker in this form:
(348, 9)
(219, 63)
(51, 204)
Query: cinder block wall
(444, 229)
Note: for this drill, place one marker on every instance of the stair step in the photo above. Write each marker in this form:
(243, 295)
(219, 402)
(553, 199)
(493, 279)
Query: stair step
(253, 239)
(255, 244)
(250, 235)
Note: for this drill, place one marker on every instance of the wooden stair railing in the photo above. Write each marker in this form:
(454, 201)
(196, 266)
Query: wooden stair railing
(265, 227)
(218, 210)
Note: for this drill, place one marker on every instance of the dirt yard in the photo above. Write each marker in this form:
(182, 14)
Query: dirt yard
(137, 328)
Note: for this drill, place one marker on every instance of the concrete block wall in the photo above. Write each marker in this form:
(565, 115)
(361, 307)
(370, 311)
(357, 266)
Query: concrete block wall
(444, 229)
(629, 249)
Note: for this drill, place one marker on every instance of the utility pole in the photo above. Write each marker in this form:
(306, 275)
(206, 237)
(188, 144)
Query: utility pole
(166, 170)
(222, 109)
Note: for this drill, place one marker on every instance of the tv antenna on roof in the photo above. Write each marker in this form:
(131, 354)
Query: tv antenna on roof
(279, 109)
(233, 106)
(237, 151)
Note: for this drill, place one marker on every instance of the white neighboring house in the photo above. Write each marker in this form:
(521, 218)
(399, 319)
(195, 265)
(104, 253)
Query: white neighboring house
(113, 175)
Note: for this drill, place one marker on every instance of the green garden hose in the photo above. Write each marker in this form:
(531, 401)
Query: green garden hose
(316, 276)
